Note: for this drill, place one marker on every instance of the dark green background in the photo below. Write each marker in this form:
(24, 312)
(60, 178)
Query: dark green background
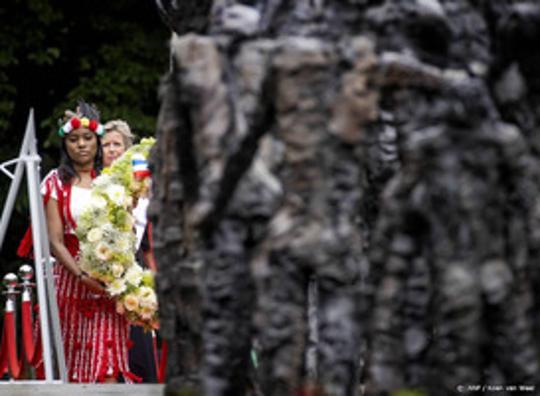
(111, 53)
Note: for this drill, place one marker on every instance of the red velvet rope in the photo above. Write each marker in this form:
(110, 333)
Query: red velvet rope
(33, 351)
(163, 362)
(3, 355)
(38, 352)
(28, 342)
(8, 351)
(11, 342)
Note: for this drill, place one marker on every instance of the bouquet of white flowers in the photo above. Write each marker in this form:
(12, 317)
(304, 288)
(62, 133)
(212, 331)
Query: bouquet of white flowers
(107, 239)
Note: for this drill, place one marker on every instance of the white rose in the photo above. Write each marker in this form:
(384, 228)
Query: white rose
(97, 201)
(129, 201)
(107, 227)
(94, 235)
(117, 194)
(102, 181)
(147, 297)
(116, 287)
(149, 303)
(103, 252)
(123, 244)
(134, 275)
(131, 302)
(147, 313)
(145, 292)
(117, 270)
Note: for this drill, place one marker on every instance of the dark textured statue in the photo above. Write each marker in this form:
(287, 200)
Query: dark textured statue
(294, 137)
(315, 230)
(451, 270)
(452, 295)
(226, 195)
(226, 93)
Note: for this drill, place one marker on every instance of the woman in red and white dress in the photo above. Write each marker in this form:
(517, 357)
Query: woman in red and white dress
(95, 336)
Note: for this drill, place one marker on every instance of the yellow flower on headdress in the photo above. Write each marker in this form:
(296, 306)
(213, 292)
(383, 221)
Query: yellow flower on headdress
(85, 122)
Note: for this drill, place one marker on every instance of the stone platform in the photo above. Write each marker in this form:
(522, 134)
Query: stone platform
(40, 389)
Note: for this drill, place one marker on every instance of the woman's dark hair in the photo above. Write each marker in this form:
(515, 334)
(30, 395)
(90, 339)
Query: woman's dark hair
(66, 170)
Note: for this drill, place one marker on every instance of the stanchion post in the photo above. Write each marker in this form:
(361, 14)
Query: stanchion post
(10, 283)
(26, 273)
(9, 337)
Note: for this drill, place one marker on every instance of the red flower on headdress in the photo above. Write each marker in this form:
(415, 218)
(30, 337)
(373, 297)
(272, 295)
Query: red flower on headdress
(93, 125)
(75, 122)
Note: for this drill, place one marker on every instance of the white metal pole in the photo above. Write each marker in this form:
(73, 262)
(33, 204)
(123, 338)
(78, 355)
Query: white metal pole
(49, 279)
(14, 187)
(34, 198)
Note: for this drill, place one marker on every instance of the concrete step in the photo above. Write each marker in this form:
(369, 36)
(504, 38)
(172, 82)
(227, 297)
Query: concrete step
(40, 389)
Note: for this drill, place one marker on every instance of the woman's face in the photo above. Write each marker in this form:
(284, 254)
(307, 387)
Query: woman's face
(113, 147)
(81, 146)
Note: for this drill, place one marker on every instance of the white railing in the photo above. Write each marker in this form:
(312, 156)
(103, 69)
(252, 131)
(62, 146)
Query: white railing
(29, 160)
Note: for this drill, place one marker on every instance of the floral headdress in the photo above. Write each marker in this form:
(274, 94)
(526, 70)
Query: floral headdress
(84, 122)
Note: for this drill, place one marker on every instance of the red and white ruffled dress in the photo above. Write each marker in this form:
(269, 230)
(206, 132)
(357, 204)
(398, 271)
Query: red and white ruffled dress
(96, 337)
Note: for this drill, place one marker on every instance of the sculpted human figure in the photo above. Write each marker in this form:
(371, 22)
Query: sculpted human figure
(220, 222)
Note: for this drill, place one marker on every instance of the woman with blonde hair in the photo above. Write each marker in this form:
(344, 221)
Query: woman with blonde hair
(117, 139)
